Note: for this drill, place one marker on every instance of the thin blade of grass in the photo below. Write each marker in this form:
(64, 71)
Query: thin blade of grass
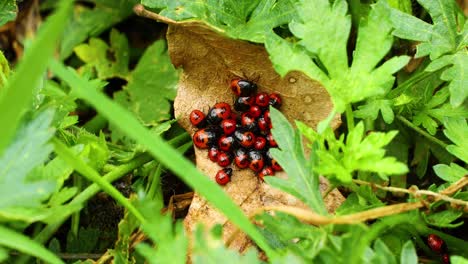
(24, 244)
(17, 95)
(163, 152)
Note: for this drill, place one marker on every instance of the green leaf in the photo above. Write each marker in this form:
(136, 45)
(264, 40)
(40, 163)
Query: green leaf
(298, 58)
(286, 233)
(8, 10)
(302, 182)
(440, 38)
(323, 30)
(18, 187)
(334, 23)
(87, 22)
(408, 254)
(444, 218)
(210, 248)
(451, 173)
(165, 235)
(340, 159)
(108, 61)
(15, 98)
(248, 20)
(24, 244)
(152, 85)
(371, 109)
(456, 130)
(382, 254)
(458, 260)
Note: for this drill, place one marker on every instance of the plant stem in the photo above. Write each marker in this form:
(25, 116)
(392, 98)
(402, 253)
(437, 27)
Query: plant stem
(408, 83)
(422, 132)
(349, 117)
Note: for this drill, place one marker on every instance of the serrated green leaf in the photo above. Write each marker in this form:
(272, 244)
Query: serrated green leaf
(91, 22)
(408, 254)
(334, 23)
(442, 37)
(29, 150)
(451, 173)
(248, 20)
(371, 109)
(291, 157)
(109, 61)
(456, 130)
(341, 159)
(323, 30)
(8, 11)
(298, 59)
(152, 85)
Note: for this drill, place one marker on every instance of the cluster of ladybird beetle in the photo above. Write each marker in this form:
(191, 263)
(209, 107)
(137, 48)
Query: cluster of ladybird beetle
(438, 245)
(241, 135)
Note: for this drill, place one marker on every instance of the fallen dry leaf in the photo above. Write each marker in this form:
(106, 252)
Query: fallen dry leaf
(209, 61)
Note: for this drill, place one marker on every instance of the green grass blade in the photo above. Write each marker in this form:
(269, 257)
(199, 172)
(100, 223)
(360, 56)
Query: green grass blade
(89, 173)
(162, 151)
(24, 244)
(17, 95)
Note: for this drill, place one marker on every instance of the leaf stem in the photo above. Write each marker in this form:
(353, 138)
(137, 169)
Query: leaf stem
(422, 132)
(349, 117)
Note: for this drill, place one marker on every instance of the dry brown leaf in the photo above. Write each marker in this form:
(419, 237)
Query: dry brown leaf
(209, 61)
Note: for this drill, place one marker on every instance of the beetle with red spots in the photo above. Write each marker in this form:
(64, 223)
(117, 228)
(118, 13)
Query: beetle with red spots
(273, 163)
(205, 138)
(260, 143)
(262, 99)
(241, 158)
(243, 103)
(275, 100)
(255, 111)
(266, 171)
(224, 159)
(245, 138)
(219, 112)
(248, 122)
(213, 153)
(242, 87)
(262, 124)
(256, 160)
(271, 140)
(223, 176)
(197, 118)
(228, 126)
(436, 243)
(226, 143)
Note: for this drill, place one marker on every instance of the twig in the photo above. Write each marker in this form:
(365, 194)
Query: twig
(456, 186)
(415, 192)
